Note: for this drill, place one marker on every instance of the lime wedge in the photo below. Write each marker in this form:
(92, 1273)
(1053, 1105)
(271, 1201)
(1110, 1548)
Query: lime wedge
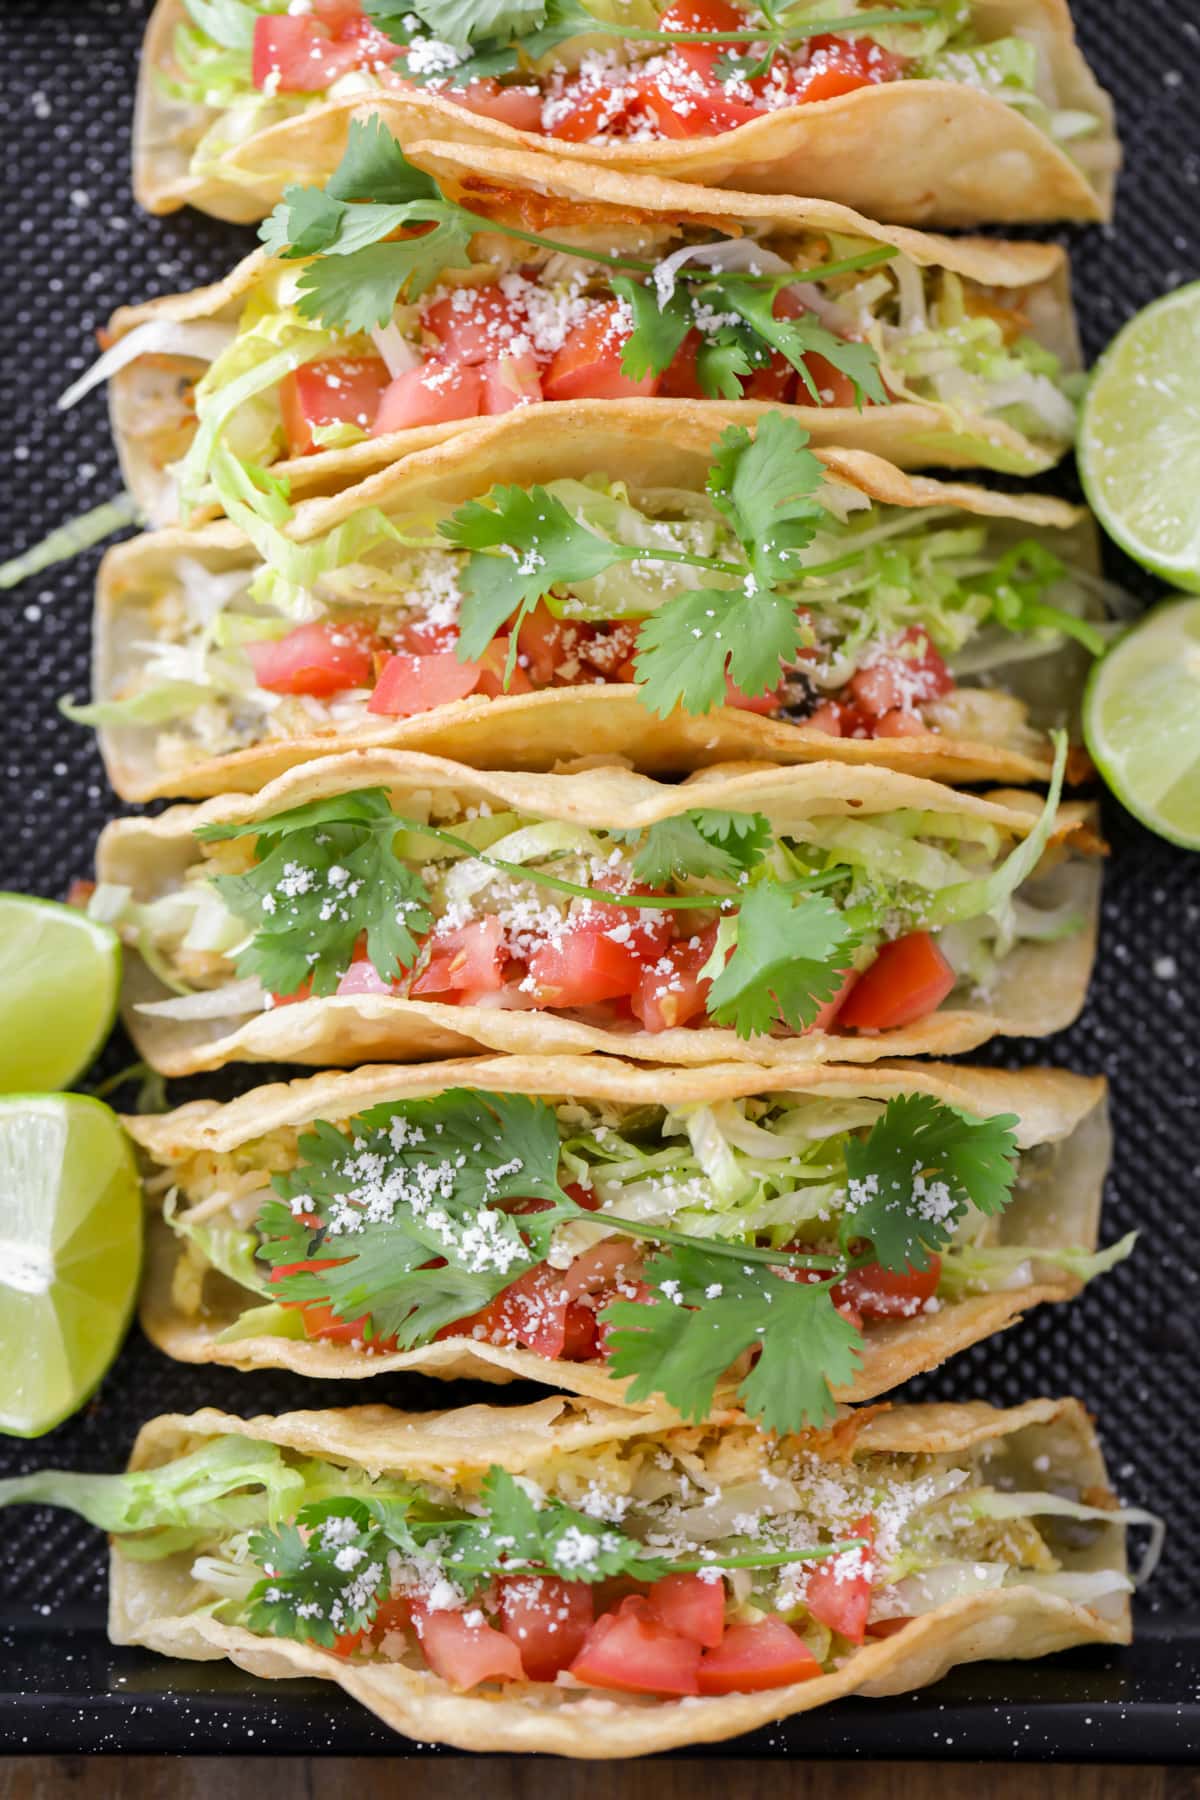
(1141, 720)
(1139, 438)
(70, 1249)
(59, 978)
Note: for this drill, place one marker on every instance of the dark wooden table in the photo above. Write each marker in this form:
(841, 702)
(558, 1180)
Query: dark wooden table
(530, 1778)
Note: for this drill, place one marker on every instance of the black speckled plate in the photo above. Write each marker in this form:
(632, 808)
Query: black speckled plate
(74, 248)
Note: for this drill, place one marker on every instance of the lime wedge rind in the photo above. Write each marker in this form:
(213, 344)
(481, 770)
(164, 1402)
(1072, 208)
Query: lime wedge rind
(1141, 720)
(66, 1298)
(1139, 438)
(60, 980)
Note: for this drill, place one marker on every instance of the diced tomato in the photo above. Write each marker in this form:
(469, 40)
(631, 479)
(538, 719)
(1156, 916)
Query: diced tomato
(610, 649)
(332, 390)
(909, 672)
(703, 15)
(878, 1293)
(80, 892)
(838, 66)
(908, 980)
(520, 107)
(664, 998)
(320, 1321)
(585, 108)
(547, 645)
(313, 659)
(682, 103)
(588, 367)
(612, 1261)
(538, 1312)
(631, 1650)
(339, 15)
(409, 685)
(473, 324)
(547, 1619)
(839, 1588)
(693, 1607)
(647, 929)
(463, 1654)
(679, 380)
(885, 1628)
(763, 704)
(296, 55)
(749, 1658)
(510, 381)
(584, 966)
(899, 724)
(837, 719)
(472, 956)
(422, 636)
(496, 679)
(433, 394)
(775, 382)
(829, 1012)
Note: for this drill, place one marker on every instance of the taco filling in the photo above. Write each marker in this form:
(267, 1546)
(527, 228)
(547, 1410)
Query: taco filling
(495, 311)
(707, 917)
(775, 588)
(708, 1560)
(615, 71)
(775, 1230)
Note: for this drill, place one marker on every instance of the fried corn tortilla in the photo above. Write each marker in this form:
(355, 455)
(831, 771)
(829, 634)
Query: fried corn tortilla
(206, 1152)
(993, 733)
(1044, 1445)
(1035, 988)
(644, 216)
(911, 151)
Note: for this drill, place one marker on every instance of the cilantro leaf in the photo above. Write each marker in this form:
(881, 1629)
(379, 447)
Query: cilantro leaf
(791, 953)
(713, 1310)
(702, 842)
(463, 22)
(326, 1574)
(305, 222)
(797, 338)
(539, 544)
(410, 1183)
(374, 167)
(658, 331)
(912, 1177)
(698, 637)
(359, 290)
(514, 1533)
(721, 362)
(330, 873)
(766, 487)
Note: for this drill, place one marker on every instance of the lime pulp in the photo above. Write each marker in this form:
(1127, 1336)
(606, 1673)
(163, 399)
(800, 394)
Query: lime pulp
(60, 974)
(1141, 720)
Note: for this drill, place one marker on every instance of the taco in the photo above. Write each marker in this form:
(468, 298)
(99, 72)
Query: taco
(946, 113)
(580, 1579)
(290, 1229)
(378, 906)
(924, 349)
(562, 583)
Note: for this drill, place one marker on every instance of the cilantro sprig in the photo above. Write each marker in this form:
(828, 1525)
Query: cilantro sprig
(523, 544)
(362, 269)
(497, 37)
(411, 1206)
(330, 873)
(328, 1570)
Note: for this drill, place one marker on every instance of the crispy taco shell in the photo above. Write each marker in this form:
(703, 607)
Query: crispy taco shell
(1048, 1442)
(1038, 987)
(1057, 1205)
(634, 441)
(918, 152)
(601, 207)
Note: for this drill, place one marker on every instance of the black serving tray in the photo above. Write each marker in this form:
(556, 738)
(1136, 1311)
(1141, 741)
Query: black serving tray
(74, 247)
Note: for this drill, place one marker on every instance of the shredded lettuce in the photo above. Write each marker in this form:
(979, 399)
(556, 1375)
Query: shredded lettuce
(995, 1268)
(91, 527)
(222, 1246)
(968, 899)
